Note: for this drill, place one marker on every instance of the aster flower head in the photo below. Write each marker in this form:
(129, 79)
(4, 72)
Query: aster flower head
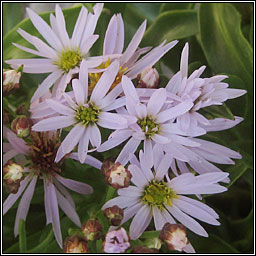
(148, 122)
(85, 113)
(38, 158)
(62, 55)
(131, 64)
(155, 195)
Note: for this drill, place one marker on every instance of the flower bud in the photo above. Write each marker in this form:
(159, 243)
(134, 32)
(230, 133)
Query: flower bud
(114, 214)
(12, 175)
(21, 125)
(92, 230)
(7, 117)
(141, 249)
(22, 110)
(148, 78)
(107, 165)
(11, 81)
(174, 235)
(116, 241)
(75, 244)
(118, 176)
(153, 242)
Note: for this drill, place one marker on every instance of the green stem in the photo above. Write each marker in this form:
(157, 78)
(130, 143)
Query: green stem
(110, 192)
(22, 237)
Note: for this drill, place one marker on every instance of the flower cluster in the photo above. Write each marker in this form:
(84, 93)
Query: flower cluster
(94, 94)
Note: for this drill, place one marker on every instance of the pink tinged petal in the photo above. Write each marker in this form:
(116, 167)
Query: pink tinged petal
(187, 221)
(164, 166)
(140, 222)
(12, 198)
(105, 82)
(60, 108)
(184, 61)
(195, 212)
(83, 78)
(173, 112)
(131, 211)
(83, 146)
(160, 139)
(18, 144)
(44, 29)
(78, 91)
(9, 155)
(94, 135)
(79, 27)
(159, 218)
(55, 214)
(24, 204)
(129, 89)
(130, 147)
(76, 186)
(46, 84)
(121, 202)
(133, 45)
(72, 138)
(141, 110)
(112, 121)
(54, 123)
(68, 209)
(130, 191)
(110, 36)
(61, 25)
(156, 101)
(138, 176)
(148, 154)
(89, 42)
(47, 202)
(189, 248)
(120, 34)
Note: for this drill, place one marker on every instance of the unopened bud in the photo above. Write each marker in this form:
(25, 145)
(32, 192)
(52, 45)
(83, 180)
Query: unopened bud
(75, 244)
(148, 78)
(142, 249)
(107, 165)
(153, 242)
(21, 125)
(11, 81)
(118, 176)
(174, 235)
(114, 214)
(92, 230)
(116, 241)
(12, 175)
(22, 110)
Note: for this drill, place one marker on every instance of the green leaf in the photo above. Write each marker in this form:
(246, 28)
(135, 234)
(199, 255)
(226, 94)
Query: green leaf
(150, 234)
(175, 6)
(219, 111)
(226, 49)
(22, 237)
(171, 25)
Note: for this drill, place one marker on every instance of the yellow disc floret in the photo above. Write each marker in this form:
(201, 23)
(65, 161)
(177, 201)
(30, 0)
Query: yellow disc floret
(87, 114)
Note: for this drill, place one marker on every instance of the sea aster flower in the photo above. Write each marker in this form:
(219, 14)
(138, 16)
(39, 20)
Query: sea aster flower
(130, 64)
(151, 196)
(85, 113)
(203, 92)
(38, 159)
(63, 55)
(151, 122)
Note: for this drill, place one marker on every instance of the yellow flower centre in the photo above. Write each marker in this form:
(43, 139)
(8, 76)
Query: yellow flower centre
(148, 126)
(69, 59)
(95, 77)
(87, 114)
(157, 193)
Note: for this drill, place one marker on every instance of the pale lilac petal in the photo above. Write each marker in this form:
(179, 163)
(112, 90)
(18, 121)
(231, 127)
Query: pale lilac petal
(105, 82)
(187, 221)
(129, 89)
(6, 147)
(46, 84)
(184, 61)
(78, 91)
(70, 101)
(131, 106)
(120, 34)
(158, 154)
(89, 42)
(12, 198)
(72, 138)
(60, 154)
(24, 204)
(131, 211)
(173, 112)
(68, 209)
(160, 139)
(121, 202)
(93, 162)
(177, 152)
(159, 218)
(184, 141)
(145, 167)
(134, 43)
(200, 189)
(9, 155)
(53, 123)
(60, 108)
(140, 222)
(76, 186)
(65, 79)
(163, 166)
(213, 177)
(148, 153)
(130, 147)
(174, 83)
(156, 102)
(28, 50)
(189, 248)
(141, 110)
(168, 216)
(118, 103)
(234, 93)
(18, 144)
(94, 135)
(138, 176)
(47, 201)
(195, 212)
(83, 78)
(182, 180)
(112, 121)
(83, 146)
(130, 191)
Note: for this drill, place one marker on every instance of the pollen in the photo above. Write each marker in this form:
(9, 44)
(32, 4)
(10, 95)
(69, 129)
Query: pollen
(87, 114)
(157, 193)
(148, 126)
(69, 59)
